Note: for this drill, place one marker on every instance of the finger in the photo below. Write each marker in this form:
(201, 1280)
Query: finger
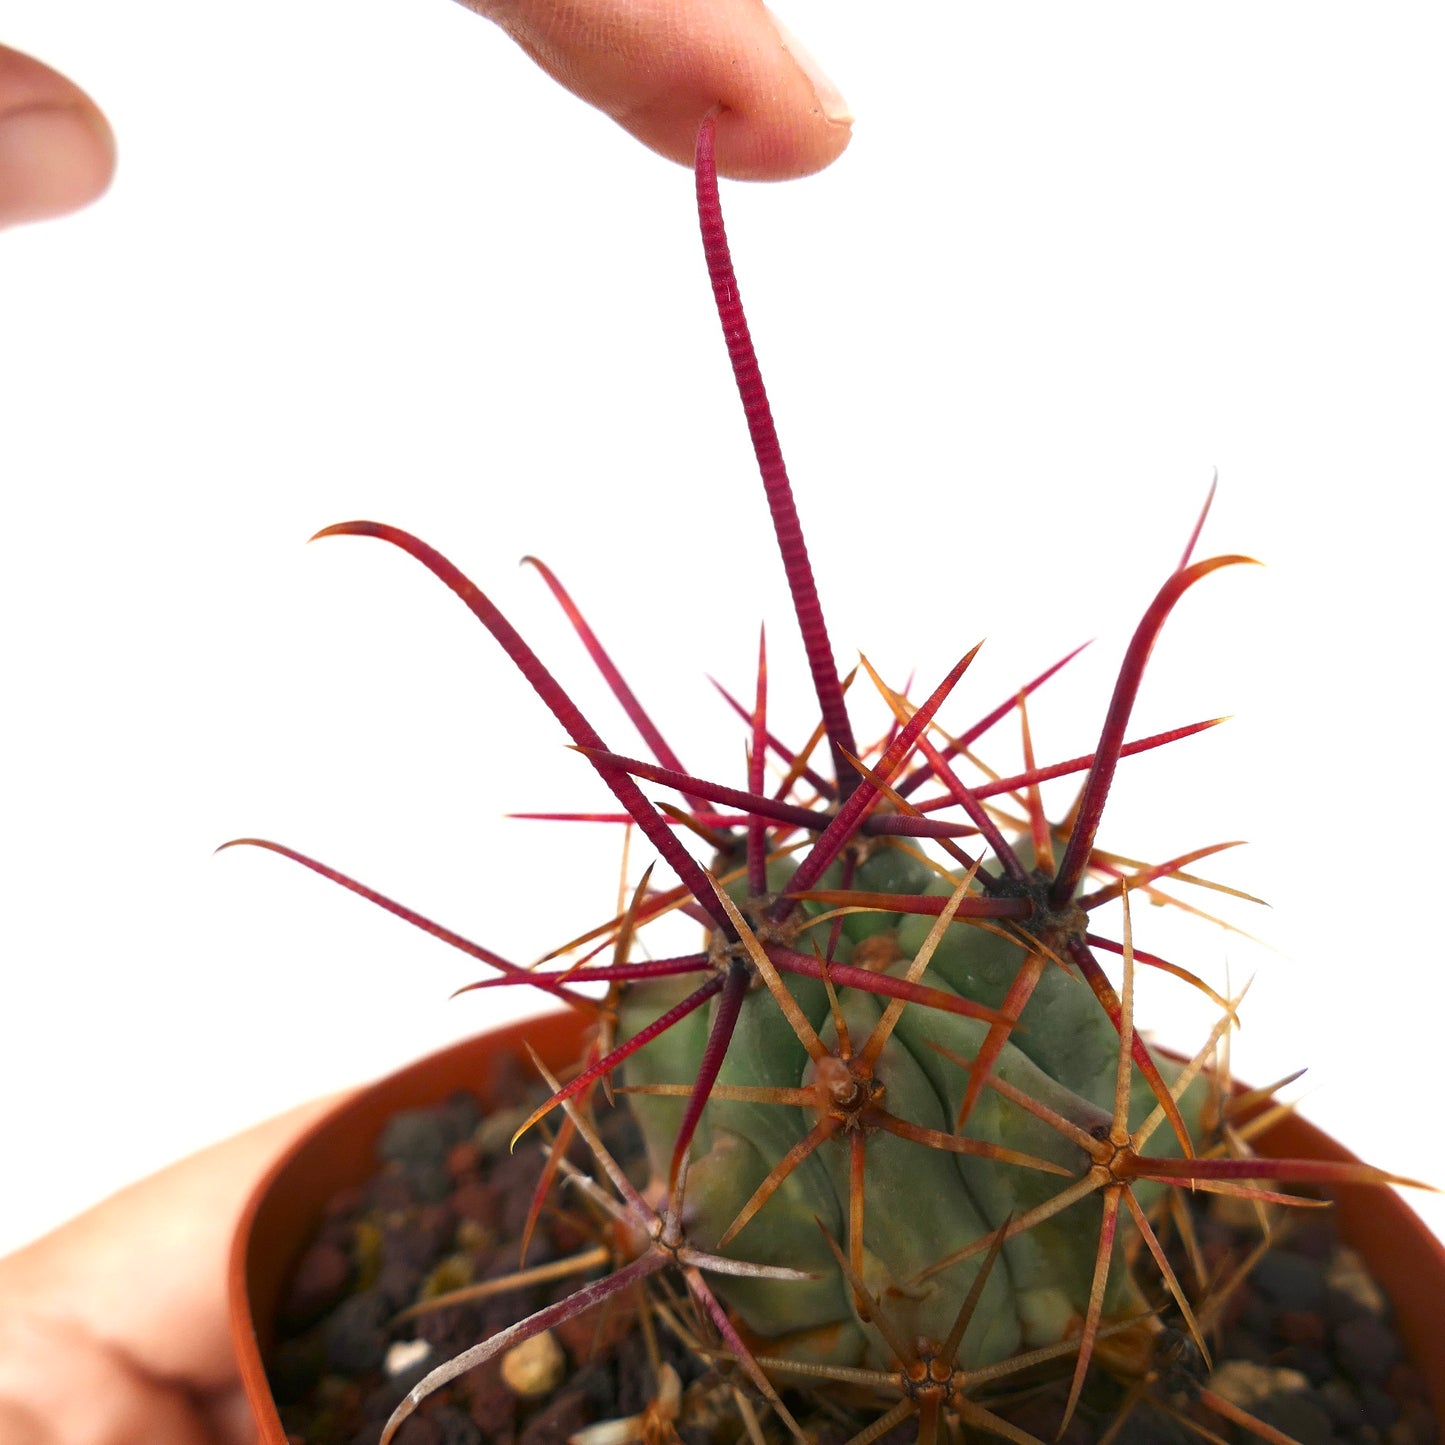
(56, 148)
(658, 66)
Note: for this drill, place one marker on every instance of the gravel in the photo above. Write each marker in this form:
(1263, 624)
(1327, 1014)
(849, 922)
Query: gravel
(1305, 1344)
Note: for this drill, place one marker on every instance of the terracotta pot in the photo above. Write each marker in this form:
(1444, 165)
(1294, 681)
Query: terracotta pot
(281, 1215)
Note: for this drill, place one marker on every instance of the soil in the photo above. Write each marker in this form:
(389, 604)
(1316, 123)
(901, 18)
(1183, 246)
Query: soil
(1305, 1344)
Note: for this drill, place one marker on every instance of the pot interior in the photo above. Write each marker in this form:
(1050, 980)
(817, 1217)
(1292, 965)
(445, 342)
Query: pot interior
(282, 1215)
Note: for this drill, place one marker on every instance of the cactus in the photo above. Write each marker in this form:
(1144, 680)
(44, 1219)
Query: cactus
(901, 1131)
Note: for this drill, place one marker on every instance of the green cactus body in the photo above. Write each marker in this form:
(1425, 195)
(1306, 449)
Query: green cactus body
(923, 1205)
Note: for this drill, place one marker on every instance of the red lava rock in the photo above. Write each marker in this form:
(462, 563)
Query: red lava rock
(319, 1282)
(491, 1405)
(1417, 1417)
(1367, 1349)
(1314, 1235)
(450, 1331)
(590, 1336)
(512, 1178)
(571, 1238)
(456, 1428)
(411, 1249)
(1292, 1281)
(419, 1430)
(355, 1334)
(397, 1283)
(389, 1192)
(340, 1231)
(1039, 1417)
(430, 1182)
(414, 1136)
(1215, 1253)
(346, 1202)
(1405, 1382)
(463, 1159)
(1343, 1403)
(551, 1425)
(1316, 1365)
(437, 1221)
(512, 1084)
(1380, 1410)
(1202, 1415)
(1235, 1307)
(436, 1215)
(1297, 1416)
(1301, 1327)
(477, 1202)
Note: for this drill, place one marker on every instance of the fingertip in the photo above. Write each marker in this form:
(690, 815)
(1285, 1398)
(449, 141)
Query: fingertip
(779, 115)
(52, 161)
(762, 145)
(821, 124)
(754, 143)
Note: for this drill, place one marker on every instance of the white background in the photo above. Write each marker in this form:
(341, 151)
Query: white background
(362, 260)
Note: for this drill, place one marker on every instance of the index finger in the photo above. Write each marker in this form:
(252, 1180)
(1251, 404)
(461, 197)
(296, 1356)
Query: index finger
(658, 66)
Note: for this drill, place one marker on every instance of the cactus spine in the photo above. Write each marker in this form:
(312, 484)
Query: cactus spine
(902, 1133)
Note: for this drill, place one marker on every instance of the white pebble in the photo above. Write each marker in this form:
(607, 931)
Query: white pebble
(1246, 1384)
(535, 1367)
(403, 1355)
(1348, 1274)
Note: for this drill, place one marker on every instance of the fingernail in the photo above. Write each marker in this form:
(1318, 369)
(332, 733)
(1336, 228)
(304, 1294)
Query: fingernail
(830, 98)
(52, 160)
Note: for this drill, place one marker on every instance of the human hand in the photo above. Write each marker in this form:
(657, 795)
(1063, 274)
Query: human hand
(56, 149)
(115, 1328)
